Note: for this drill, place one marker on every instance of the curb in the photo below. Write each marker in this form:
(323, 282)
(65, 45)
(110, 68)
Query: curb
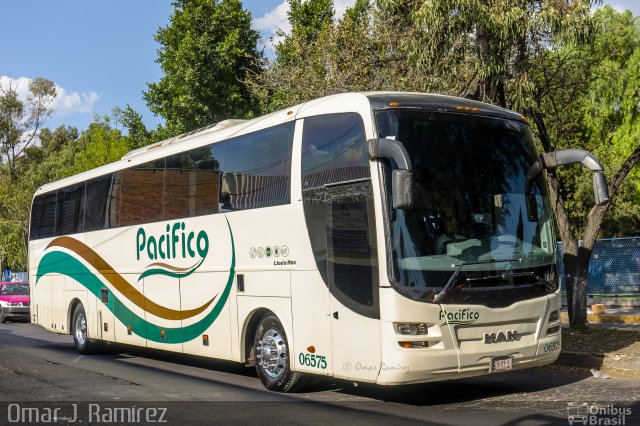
(607, 318)
(625, 365)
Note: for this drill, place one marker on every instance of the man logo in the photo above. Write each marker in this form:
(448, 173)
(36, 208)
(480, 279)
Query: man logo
(501, 336)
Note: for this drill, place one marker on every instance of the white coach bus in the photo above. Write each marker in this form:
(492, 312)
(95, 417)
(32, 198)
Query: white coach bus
(377, 237)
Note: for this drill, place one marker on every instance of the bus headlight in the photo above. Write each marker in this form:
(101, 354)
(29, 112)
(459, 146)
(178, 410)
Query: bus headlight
(412, 329)
(553, 316)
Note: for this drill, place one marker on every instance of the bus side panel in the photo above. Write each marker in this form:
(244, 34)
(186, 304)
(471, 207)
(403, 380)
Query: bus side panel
(266, 283)
(195, 290)
(162, 333)
(104, 316)
(42, 296)
(122, 334)
(311, 328)
(211, 282)
(58, 310)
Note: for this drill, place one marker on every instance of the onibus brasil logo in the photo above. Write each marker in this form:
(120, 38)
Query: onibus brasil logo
(175, 243)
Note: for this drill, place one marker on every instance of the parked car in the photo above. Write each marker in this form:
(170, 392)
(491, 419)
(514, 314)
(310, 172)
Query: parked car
(14, 301)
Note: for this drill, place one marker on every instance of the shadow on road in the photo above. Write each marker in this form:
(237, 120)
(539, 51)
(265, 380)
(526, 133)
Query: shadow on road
(462, 401)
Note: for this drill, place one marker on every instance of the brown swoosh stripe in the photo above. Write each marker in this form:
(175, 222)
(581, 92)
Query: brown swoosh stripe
(122, 285)
(171, 268)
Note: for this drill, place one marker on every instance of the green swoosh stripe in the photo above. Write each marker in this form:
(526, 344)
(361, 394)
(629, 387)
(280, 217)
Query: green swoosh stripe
(65, 264)
(172, 274)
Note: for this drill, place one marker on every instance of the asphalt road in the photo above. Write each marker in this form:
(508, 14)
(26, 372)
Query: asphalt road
(41, 372)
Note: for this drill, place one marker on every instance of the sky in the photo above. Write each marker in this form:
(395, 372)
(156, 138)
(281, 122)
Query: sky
(101, 54)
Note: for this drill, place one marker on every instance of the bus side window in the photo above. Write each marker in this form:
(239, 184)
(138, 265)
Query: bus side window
(338, 206)
(43, 216)
(70, 210)
(192, 183)
(141, 193)
(256, 169)
(102, 203)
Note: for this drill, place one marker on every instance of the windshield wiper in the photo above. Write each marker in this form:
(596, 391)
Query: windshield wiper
(550, 286)
(450, 283)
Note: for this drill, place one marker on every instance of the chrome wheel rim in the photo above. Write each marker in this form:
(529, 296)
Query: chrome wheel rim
(81, 329)
(271, 354)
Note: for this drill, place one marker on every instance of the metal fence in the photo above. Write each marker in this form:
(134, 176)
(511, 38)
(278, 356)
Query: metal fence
(614, 269)
(21, 276)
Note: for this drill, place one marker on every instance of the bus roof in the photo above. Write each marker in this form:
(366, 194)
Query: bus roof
(231, 128)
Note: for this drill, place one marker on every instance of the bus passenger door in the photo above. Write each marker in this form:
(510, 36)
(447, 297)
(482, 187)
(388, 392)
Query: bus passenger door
(352, 275)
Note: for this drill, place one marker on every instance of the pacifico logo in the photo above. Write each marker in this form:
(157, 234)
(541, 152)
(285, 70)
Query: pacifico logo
(461, 317)
(175, 243)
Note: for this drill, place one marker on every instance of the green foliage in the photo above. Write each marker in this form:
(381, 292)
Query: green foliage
(61, 153)
(357, 53)
(137, 133)
(485, 48)
(100, 144)
(20, 120)
(308, 20)
(206, 53)
(590, 99)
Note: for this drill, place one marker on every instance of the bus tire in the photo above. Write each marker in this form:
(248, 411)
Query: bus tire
(81, 340)
(272, 357)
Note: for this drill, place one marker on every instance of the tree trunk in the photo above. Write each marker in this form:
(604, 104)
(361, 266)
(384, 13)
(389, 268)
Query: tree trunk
(576, 279)
(576, 259)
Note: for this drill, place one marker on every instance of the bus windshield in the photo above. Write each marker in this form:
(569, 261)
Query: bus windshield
(474, 213)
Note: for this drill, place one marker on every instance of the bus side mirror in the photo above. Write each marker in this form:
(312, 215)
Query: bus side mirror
(402, 177)
(402, 189)
(549, 160)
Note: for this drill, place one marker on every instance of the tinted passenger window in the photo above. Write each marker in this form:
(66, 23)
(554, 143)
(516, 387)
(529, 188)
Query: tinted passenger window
(338, 206)
(141, 193)
(334, 149)
(70, 210)
(256, 169)
(192, 183)
(351, 247)
(102, 199)
(43, 216)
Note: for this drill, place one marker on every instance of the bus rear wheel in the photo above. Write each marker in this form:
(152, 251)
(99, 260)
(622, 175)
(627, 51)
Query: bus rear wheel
(81, 340)
(272, 357)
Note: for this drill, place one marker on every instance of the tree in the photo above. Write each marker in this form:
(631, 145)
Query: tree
(20, 120)
(484, 49)
(321, 56)
(206, 53)
(537, 56)
(40, 163)
(100, 144)
(308, 20)
(595, 89)
(137, 133)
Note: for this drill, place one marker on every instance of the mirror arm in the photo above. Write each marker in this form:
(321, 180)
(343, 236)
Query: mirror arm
(402, 177)
(389, 148)
(550, 160)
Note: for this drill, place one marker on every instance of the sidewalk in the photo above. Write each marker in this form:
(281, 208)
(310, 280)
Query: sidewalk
(611, 344)
(629, 315)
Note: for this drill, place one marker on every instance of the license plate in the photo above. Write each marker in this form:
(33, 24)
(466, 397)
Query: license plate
(500, 363)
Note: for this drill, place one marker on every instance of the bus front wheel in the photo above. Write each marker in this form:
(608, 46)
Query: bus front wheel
(81, 340)
(272, 357)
